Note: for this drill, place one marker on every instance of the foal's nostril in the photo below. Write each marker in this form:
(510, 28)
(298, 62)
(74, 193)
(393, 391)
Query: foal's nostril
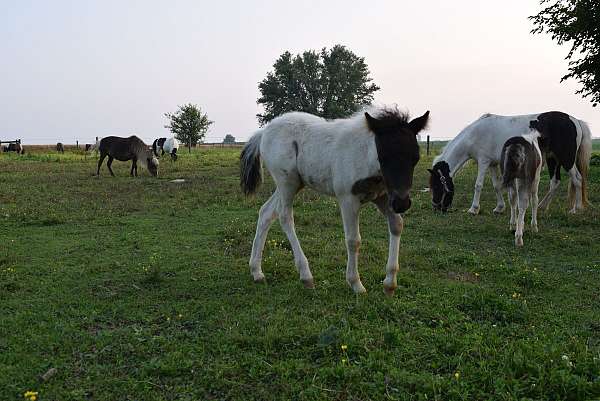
(399, 205)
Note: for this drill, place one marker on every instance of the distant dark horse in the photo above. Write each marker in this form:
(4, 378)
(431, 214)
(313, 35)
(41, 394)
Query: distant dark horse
(124, 149)
(60, 147)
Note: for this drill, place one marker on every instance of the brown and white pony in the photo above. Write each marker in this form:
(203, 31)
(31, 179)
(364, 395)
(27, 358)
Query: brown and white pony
(124, 149)
(521, 164)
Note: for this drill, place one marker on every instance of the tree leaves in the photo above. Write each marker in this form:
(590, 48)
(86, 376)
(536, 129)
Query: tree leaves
(331, 83)
(188, 124)
(576, 22)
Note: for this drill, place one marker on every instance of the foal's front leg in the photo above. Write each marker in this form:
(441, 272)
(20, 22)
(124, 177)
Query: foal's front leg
(349, 206)
(395, 226)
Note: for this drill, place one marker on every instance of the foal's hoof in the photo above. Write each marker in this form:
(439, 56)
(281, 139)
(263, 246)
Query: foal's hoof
(389, 291)
(535, 229)
(473, 210)
(358, 288)
(519, 242)
(309, 283)
(259, 279)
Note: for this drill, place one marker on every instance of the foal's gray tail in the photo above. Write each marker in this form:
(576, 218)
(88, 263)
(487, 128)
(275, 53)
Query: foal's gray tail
(250, 165)
(513, 158)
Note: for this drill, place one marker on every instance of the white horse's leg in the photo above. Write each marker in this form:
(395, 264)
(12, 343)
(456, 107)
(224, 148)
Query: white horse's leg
(482, 167)
(266, 216)
(286, 219)
(349, 207)
(512, 200)
(576, 180)
(495, 173)
(523, 196)
(534, 200)
(395, 225)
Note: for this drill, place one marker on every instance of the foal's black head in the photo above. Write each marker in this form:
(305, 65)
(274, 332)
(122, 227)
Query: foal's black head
(398, 153)
(441, 186)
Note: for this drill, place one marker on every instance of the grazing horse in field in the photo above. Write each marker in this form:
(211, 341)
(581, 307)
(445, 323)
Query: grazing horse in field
(60, 147)
(521, 164)
(161, 146)
(124, 149)
(565, 141)
(368, 157)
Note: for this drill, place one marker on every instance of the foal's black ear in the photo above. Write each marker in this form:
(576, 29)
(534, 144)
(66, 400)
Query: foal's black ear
(372, 122)
(419, 123)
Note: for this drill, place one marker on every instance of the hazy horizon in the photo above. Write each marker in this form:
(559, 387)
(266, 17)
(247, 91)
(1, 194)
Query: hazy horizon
(77, 70)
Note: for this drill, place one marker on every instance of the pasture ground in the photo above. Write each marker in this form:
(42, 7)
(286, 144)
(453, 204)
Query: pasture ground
(139, 289)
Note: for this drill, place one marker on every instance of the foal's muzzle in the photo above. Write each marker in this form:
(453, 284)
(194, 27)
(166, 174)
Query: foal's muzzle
(398, 204)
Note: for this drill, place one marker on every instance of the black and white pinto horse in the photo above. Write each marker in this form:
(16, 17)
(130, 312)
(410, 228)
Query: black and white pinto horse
(565, 142)
(368, 157)
(521, 165)
(124, 149)
(161, 146)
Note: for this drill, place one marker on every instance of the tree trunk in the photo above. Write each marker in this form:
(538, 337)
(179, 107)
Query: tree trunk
(190, 145)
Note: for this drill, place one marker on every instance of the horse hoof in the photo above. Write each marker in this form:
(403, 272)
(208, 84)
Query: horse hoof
(474, 210)
(260, 279)
(358, 288)
(389, 291)
(535, 229)
(499, 210)
(519, 242)
(573, 211)
(309, 283)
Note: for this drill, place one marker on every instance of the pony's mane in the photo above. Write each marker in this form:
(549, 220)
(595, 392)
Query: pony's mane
(142, 151)
(391, 115)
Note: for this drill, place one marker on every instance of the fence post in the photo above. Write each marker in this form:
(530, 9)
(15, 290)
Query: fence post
(77, 144)
(427, 145)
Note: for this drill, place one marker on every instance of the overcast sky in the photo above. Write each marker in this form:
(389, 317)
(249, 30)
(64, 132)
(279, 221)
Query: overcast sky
(79, 69)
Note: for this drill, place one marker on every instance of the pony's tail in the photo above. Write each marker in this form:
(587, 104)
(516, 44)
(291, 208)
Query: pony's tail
(584, 154)
(512, 161)
(251, 165)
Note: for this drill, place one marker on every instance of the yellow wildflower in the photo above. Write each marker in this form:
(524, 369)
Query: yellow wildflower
(344, 347)
(457, 375)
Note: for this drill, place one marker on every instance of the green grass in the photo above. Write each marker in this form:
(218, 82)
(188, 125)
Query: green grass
(139, 289)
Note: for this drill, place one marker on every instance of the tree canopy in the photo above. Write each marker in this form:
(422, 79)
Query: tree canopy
(576, 22)
(331, 83)
(188, 124)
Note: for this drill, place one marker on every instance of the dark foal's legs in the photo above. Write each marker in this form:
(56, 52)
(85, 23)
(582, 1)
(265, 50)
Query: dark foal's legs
(133, 167)
(102, 156)
(109, 163)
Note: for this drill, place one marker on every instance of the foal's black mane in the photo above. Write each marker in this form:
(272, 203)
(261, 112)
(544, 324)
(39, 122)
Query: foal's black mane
(392, 117)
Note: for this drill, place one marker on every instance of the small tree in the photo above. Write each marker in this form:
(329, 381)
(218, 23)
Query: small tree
(229, 139)
(188, 124)
(576, 22)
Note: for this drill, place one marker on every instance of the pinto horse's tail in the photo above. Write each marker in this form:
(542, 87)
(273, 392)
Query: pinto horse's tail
(584, 154)
(251, 165)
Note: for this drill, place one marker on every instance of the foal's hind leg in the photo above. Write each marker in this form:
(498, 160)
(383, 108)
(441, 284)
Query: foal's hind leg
(512, 200)
(287, 191)
(349, 207)
(266, 216)
(523, 195)
(109, 163)
(133, 167)
(534, 200)
(395, 225)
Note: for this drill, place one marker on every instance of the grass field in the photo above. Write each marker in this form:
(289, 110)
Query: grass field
(139, 289)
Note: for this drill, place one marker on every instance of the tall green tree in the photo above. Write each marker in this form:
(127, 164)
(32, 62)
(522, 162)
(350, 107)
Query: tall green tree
(331, 83)
(188, 124)
(576, 22)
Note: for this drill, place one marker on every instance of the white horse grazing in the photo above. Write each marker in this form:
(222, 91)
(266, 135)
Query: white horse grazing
(565, 141)
(521, 164)
(357, 160)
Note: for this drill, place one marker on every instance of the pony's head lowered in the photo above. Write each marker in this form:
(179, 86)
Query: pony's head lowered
(398, 152)
(441, 186)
